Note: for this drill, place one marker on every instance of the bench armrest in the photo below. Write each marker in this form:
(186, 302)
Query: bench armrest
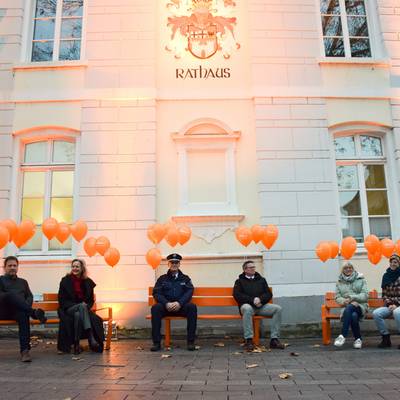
(105, 308)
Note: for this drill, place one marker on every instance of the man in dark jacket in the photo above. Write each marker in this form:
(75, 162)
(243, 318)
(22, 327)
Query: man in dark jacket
(173, 292)
(252, 294)
(16, 303)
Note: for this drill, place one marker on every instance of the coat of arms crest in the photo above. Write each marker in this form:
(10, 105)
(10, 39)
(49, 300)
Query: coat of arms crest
(202, 27)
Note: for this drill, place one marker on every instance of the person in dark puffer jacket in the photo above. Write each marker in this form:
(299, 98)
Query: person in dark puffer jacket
(252, 294)
(173, 292)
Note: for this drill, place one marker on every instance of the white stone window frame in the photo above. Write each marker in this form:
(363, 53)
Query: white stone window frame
(374, 35)
(39, 134)
(186, 142)
(389, 162)
(27, 35)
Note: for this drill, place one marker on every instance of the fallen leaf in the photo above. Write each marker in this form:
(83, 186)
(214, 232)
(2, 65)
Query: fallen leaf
(197, 347)
(237, 353)
(166, 355)
(316, 345)
(256, 350)
(219, 344)
(76, 358)
(286, 344)
(294, 354)
(47, 343)
(139, 348)
(68, 398)
(252, 366)
(285, 375)
(227, 337)
(168, 349)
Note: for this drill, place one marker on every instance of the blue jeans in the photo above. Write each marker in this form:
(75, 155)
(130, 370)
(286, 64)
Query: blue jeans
(379, 316)
(351, 317)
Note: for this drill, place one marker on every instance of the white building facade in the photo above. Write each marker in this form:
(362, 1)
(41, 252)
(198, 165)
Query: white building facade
(212, 113)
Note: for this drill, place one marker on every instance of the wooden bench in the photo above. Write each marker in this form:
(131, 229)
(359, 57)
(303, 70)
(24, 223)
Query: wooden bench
(210, 297)
(50, 304)
(331, 311)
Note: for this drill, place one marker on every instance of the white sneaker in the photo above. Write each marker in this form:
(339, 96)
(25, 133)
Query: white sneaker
(339, 341)
(357, 344)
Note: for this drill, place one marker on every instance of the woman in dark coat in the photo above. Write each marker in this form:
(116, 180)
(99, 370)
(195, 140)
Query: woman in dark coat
(76, 298)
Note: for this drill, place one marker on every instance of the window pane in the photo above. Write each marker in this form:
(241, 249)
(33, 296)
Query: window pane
(64, 152)
(334, 47)
(345, 147)
(353, 227)
(347, 176)
(42, 51)
(34, 183)
(374, 177)
(380, 227)
(331, 26)
(61, 209)
(45, 8)
(36, 153)
(44, 29)
(349, 203)
(62, 184)
(70, 50)
(54, 244)
(371, 146)
(357, 26)
(330, 7)
(35, 243)
(32, 209)
(71, 28)
(355, 7)
(377, 202)
(72, 7)
(360, 48)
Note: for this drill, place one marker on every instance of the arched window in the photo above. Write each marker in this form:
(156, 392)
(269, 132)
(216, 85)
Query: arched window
(362, 185)
(47, 169)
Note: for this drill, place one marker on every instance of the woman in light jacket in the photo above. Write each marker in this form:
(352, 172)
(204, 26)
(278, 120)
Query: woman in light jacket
(352, 293)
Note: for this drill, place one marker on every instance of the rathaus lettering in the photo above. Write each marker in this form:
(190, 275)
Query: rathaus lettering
(202, 73)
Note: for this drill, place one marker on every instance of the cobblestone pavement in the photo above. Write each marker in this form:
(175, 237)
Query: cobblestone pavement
(130, 371)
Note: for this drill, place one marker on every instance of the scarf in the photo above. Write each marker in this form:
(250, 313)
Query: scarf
(350, 278)
(390, 276)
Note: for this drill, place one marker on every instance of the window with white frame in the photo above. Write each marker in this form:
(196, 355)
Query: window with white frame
(57, 30)
(345, 28)
(47, 181)
(362, 185)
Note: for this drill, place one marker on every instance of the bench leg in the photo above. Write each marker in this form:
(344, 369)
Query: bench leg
(256, 329)
(326, 327)
(167, 332)
(109, 329)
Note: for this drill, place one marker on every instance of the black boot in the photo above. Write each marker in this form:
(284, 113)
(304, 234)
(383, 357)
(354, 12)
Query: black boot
(77, 348)
(248, 345)
(385, 343)
(93, 344)
(155, 347)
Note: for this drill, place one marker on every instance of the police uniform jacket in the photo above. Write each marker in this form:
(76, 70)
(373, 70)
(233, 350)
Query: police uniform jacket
(170, 289)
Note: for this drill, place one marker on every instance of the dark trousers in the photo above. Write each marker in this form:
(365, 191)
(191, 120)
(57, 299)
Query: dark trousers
(16, 308)
(158, 312)
(80, 313)
(351, 317)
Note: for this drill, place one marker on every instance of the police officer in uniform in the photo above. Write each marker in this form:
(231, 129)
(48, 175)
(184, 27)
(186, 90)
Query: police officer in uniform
(173, 292)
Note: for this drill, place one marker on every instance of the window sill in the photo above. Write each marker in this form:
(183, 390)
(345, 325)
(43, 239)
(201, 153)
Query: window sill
(207, 218)
(50, 65)
(384, 62)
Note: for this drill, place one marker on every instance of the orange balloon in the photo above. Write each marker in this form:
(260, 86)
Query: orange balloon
(153, 258)
(90, 246)
(4, 236)
(25, 232)
(257, 232)
(397, 249)
(11, 226)
(63, 232)
(334, 249)
(323, 251)
(79, 230)
(172, 236)
(102, 245)
(270, 235)
(372, 243)
(50, 228)
(348, 247)
(388, 247)
(112, 256)
(185, 233)
(374, 258)
(243, 235)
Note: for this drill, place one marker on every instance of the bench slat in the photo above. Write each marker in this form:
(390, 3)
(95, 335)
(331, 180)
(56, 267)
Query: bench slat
(207, 301)
(206, 291)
